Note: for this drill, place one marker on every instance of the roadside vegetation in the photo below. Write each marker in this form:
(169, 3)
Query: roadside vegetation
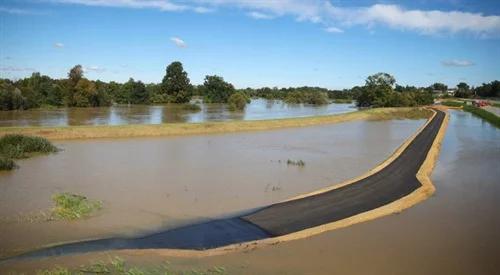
(71, 206)
(488, 116)
(118, 266)
(15, 146)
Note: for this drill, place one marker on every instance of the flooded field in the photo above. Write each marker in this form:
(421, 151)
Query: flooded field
(151, 184)
(456, 231)
(258, 109)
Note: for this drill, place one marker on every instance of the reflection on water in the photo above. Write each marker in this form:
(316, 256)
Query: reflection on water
(170, 113)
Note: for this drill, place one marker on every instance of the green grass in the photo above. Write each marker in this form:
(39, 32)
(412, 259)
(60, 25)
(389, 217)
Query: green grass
(490, 117)
(13, 146)
(118, 266)
(299, 162)
(495, 104)
(453, 103)
(71, 206)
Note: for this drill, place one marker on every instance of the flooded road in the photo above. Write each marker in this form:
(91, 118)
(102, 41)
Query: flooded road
(258, 109)
(456, 231)
(153, 184)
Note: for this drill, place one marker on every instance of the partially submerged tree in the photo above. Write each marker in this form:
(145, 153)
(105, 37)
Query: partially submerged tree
(216, 90)
(176, 83)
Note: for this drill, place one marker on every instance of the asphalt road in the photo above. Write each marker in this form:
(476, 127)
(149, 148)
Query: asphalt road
(393, 182)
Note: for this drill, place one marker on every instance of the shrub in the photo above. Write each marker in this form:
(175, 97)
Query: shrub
(300, 163)
(71, 206)
(7, 163)
(20, 146)
(238, 101)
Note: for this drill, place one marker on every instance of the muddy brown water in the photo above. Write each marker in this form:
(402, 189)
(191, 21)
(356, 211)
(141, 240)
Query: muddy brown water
(258, 109)
(153, 184)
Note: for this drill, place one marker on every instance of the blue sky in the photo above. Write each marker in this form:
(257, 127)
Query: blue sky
(333, 44)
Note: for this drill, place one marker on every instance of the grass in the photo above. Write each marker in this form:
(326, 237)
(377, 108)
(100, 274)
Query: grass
(453, 103)
(176, 129)
(299, 162)
(16, 146)
(118, 266)
(490, 117)
(71, 206)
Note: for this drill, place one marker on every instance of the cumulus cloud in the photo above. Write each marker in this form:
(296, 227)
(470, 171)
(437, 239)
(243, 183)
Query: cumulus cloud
(457, 63)
(178, 42)
(58, 45)
(324, 12)
(259, 15)
(95, 69)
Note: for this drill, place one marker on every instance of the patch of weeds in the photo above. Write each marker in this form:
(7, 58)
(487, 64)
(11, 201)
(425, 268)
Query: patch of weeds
(55, 271)
(119, 267)
(15, 146)
(299, 162)
(71, 206)
(7, 163)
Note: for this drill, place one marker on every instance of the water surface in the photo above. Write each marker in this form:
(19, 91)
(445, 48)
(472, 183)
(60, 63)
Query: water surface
(258, 109)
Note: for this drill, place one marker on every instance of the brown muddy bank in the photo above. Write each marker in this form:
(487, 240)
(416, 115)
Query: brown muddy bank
(159, 183)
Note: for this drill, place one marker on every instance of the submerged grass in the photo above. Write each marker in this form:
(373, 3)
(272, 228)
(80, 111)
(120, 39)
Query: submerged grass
(71, 206)
(16, 146)
(299, 162)
(118, 266)
(176, 129)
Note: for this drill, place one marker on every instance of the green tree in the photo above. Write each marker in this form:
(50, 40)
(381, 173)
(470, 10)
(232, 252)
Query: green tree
(85, 91)
(176, 83)
(238, 101)
(463, 90)
(439, 87)
(217, 90)
(380, 79)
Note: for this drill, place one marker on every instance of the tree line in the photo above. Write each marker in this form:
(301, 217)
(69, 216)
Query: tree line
(380, 90)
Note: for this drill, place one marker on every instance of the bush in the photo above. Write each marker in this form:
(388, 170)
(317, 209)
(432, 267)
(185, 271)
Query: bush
(315, 98)
(20, 146)
(238, 101)
(71, 206)
(7, 163)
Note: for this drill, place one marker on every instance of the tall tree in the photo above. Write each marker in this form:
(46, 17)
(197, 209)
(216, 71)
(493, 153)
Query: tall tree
(217, 90)
(381, 79)
(176, 83)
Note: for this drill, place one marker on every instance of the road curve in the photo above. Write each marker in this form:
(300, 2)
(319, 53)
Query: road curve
(393, 182)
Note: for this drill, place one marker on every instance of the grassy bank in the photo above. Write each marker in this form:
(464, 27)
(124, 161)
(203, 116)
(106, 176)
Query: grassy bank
(490, 117)
(15, 146)
(71, 206)
(177, 129)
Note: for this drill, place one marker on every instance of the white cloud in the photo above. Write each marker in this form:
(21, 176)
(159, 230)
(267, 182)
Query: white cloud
(203, 10)
(16, 69)
(334, 30)
(259, 15)
(58, 45)
(16, 11)
(325, 13)
(95, 69)
(457, 63)
(178, 42)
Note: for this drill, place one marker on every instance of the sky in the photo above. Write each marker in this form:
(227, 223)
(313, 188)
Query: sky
(334, 44)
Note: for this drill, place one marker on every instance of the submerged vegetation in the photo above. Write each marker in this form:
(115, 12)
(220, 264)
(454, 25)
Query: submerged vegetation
(15, 146)
(299, 162)
(238, 101)
(71, 206)
(490, 117)
(118, 266)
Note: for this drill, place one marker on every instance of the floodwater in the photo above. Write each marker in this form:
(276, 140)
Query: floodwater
(456, 231)
(258, 109)
(152, 184)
